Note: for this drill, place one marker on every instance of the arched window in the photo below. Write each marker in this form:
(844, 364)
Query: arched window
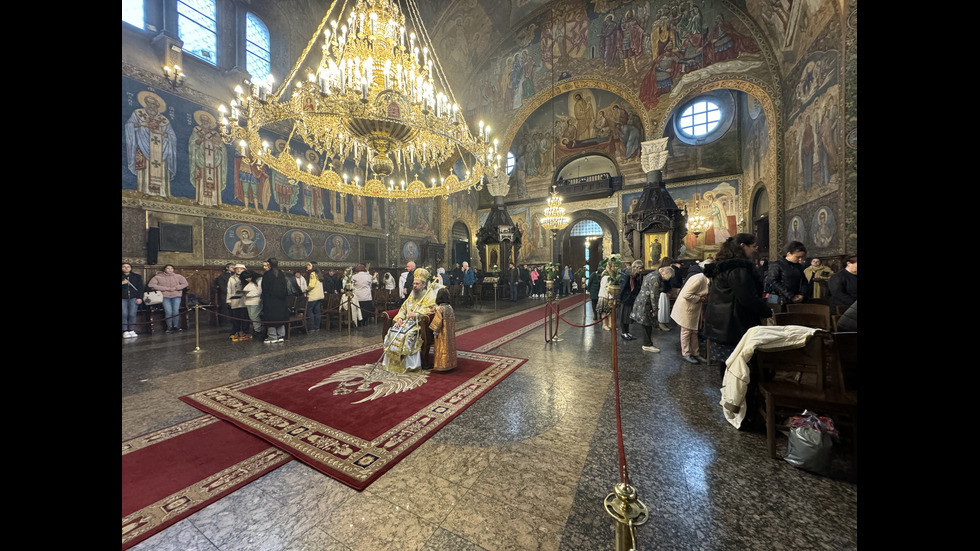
(511, 161)
(257, 50)
(197, 27)
(132, 12)
(586, 228)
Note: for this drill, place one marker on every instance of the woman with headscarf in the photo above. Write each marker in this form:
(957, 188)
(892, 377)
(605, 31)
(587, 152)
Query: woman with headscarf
(443, 276)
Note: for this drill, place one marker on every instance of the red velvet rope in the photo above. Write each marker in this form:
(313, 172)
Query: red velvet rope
(624, 476)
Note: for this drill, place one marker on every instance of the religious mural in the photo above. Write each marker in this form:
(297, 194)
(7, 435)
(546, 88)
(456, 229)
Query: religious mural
(297, 243)
(157, 126)
(716, 201)
(577, 123)
(662, 49)
(755, 140)
(244, 241)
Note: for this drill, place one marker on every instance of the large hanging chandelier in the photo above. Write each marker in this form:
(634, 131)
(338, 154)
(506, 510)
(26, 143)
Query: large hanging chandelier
(378, 99)
(554, 215)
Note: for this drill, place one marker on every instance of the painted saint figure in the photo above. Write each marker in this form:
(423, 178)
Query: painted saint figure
(150, 151)
(207, 158)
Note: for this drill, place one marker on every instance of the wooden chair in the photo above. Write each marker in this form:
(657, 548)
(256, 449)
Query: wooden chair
(808, 378)
(811, 308)
(381, 297)
(805, 319)
(297, 315)
(425, 333)
(833, 322)
(330, 311)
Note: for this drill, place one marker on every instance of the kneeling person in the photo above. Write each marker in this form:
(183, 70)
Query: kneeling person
(404, 341)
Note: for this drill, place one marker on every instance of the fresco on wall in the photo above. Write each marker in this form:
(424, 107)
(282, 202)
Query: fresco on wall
(822, 228)
(577, 123)
(337, 247)
(208, 158)
(297, 244)
(151, 145)
(244, 241)
(157, 125)
(813, 133)
(793, 25)
(410, 251)
(659, 52)
(755, 140)
(797, 230)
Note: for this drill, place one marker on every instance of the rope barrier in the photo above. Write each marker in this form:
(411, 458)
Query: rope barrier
(598, 321)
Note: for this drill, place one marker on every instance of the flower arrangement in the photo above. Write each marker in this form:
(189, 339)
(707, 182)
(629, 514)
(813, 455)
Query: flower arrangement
(349, 278)
(551, 271)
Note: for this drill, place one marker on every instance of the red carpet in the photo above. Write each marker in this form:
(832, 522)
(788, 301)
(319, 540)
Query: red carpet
(349, 418)
(171, 473)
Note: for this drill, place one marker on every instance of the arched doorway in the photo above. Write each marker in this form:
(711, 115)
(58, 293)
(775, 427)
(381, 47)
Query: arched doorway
(460, 240)
(584, 246)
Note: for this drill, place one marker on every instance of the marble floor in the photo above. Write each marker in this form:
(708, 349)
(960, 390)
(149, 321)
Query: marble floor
(526, 467)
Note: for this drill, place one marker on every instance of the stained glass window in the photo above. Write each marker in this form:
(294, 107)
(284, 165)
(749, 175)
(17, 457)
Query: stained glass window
(197, 27)
(257, 54)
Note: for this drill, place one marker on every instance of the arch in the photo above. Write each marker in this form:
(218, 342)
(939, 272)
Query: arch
(627, 93)
(570, 160)
(772, 176)
(608, 225)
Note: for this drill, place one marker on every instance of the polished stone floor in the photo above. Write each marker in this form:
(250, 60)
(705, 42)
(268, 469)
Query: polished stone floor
(526, 467)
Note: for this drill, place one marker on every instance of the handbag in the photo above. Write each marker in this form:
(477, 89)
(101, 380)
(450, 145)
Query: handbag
(153, 297)
(663, 308)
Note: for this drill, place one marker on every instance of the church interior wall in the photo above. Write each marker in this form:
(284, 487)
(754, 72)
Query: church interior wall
(798, 57)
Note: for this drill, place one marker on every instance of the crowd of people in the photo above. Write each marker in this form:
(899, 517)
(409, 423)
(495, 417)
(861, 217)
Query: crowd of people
(718, 299)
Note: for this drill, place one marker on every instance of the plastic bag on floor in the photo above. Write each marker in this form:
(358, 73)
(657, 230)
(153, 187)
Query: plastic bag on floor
(811, 439)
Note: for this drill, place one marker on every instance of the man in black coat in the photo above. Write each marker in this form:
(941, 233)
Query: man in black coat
(513, 280)
(275, 306)
(221, 289)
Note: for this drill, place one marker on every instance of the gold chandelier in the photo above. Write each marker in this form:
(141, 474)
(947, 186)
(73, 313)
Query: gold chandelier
(554, 216)
(378, 99)
(698, 224)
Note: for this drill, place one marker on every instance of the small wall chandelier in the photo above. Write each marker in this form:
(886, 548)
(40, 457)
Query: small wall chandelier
(377, 98)
(554, 216)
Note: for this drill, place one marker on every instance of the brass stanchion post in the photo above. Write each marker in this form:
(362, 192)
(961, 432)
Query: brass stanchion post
(622, 504)
(197, 328)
